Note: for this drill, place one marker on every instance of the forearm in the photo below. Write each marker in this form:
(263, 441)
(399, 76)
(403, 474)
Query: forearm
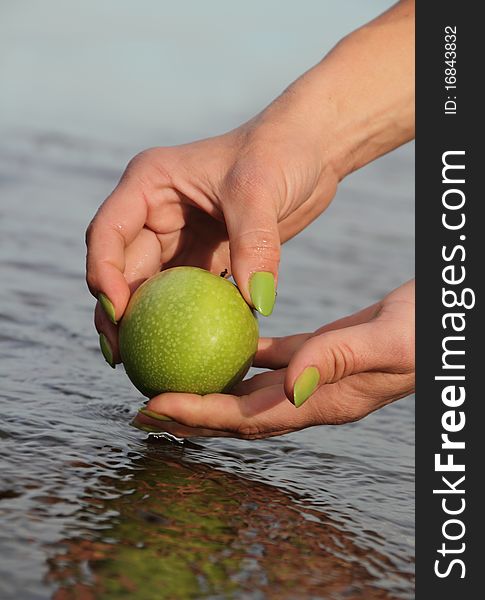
(358, 102)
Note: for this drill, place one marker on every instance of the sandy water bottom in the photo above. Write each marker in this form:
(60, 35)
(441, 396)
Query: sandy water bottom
(92, 508)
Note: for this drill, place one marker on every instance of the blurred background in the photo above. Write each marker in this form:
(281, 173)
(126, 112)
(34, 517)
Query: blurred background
(89, 506)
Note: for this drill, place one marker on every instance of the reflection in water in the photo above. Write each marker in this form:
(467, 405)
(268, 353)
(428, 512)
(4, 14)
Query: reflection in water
(90, 510)
(167, 527)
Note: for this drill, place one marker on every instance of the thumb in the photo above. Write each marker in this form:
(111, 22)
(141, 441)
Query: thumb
(254, 244)
(333, 355)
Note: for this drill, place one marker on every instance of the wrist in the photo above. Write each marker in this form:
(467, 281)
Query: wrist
(358, 102)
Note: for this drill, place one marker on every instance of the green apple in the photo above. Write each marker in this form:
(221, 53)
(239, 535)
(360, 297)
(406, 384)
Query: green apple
(187, 330)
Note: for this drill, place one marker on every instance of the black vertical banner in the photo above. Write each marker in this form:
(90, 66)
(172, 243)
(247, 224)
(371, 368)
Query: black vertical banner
(450, 434)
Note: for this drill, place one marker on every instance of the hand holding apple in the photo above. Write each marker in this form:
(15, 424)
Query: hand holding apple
(362, 362)
(231, 200)
(222, 203)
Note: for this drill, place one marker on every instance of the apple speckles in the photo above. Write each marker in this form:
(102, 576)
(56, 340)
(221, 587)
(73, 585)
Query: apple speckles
(187, 330)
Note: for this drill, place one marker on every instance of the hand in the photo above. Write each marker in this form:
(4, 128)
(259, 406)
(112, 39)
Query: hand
(222, 203)
(229, 202)
(340, 373)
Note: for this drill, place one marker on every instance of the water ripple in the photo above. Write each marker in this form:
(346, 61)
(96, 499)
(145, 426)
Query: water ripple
(89, 503)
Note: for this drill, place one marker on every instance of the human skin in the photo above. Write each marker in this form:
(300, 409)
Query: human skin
(230, 201)
(365, 361)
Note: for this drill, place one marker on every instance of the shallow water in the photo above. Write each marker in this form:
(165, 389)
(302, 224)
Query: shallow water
(89, 503)
(91, 507)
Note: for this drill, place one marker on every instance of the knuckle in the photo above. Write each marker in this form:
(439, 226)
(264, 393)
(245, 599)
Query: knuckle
(135, 168)
(150, 166)
(344, 359)
(246, 180)
(339, 360)
(140, 159)
(250, 177)
(259, 244)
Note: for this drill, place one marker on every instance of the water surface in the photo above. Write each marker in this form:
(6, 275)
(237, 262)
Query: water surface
(91, 508)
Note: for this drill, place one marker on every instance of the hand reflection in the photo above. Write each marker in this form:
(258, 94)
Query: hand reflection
(170, 526)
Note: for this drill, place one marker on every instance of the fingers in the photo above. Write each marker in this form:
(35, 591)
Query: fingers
(275, 353)
(215, 411)
(142, 260)
(258, 381)
(254, 242)
(333, 355)
(266, 412)
(108, 336)
(116, 225)
(356, 396)
(260, 414)
(152, 425)
(362, 316)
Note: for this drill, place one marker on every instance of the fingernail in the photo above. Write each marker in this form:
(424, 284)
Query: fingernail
(262, 292)
(143, 427)
(108, 307)
(306, 383)
(153, 415)
(106, 350)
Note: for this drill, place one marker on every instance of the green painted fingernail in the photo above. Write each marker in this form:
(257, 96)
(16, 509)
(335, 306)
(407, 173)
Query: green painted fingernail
(143, 427)
(262, 292)
(153, 415)
(306, 383)
(108, 307)
(106, 350)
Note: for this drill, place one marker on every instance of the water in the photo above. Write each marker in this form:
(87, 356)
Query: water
(91, 508)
